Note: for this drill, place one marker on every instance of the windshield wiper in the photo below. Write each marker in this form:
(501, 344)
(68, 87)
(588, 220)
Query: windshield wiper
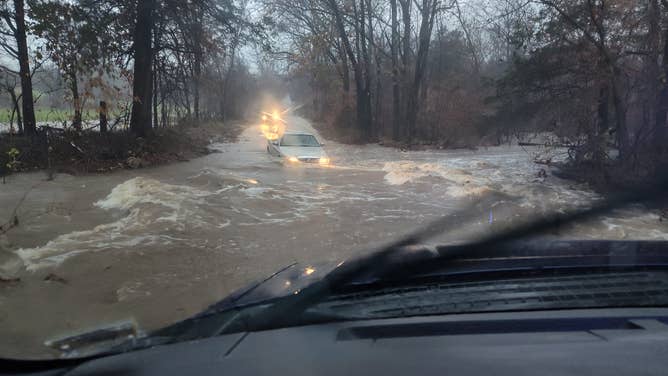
(110, 334)
(78, 348)
(287, 311)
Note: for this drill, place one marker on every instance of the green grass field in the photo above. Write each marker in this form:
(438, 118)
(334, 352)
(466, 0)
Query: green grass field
(49, 115)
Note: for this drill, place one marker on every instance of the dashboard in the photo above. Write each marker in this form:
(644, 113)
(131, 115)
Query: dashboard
(630, 341)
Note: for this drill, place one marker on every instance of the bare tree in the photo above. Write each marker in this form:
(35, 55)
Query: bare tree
(140, 123)
(13, 40)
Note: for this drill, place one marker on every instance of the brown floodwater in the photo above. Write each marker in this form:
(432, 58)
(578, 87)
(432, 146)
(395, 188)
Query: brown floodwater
(157, 245)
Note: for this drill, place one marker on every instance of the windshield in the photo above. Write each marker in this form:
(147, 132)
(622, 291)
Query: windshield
(141, 181)
(299, 140)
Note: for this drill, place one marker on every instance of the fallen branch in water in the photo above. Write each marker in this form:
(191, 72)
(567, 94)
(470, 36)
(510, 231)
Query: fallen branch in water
(14, 218)
(9, 280)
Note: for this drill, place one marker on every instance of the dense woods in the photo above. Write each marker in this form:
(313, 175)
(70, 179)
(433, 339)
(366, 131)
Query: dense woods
(91, 67)
(457, 73)
(451, 73)
(157, 55)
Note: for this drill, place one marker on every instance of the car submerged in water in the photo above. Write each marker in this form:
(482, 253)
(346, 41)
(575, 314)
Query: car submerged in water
(298, 147)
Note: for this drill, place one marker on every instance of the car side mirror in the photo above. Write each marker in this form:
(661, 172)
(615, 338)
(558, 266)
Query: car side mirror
(322, 144)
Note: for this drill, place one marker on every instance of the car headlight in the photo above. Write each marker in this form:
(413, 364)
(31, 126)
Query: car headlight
(324, 160)
(293, 159)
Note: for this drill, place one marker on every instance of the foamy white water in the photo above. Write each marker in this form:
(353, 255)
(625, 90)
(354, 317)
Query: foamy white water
(381, 188)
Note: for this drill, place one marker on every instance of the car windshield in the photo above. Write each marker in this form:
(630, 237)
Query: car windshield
(299, 140)
(158, 156)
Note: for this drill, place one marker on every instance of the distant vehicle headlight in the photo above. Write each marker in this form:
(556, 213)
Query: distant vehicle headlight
(324, 161)
(271, 136)
(293, 159)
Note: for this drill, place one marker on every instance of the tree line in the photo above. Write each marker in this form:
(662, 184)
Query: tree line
(597, 69)
(175, 60)
(452, 72)
(594, 71)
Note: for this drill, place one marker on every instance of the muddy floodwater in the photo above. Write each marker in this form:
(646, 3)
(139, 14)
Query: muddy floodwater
(157, 245)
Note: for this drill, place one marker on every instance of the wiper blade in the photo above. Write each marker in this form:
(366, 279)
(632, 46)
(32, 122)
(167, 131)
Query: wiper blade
(95, 340)
(287, 311)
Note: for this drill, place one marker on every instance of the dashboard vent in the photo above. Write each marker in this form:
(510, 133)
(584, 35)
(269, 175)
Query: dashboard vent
(488, 327)
(638, 289)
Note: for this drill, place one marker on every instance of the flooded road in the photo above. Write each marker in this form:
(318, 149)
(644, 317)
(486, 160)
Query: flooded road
(157, 245)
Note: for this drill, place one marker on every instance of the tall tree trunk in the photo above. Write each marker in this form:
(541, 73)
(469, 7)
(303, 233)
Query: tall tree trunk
(367, 127)
(378, 103)
(364, 117)
(186, 93)
(363, 97)
(226, 83)
(197, 72)
(660, 125)
(156, 91)
(345, 73)
(142, 85)
(345, 77)
(163, 112)
(27, 101)
(603, 127)
(76, 100)
(621, 132)
(424, 38)
(405, 41)
(404, 71)
(370, 56)
(394, 51)
(103, 117)
(197, 63)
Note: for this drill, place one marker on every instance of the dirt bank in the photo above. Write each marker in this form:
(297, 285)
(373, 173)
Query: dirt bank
(75, 152)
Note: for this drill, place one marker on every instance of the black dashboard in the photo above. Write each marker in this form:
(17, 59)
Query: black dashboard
(632, 341)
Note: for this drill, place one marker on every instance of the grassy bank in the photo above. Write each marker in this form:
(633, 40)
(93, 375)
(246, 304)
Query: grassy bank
(92, 152)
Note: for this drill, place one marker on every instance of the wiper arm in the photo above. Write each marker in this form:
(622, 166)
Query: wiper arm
(286, 311)
(106, 336)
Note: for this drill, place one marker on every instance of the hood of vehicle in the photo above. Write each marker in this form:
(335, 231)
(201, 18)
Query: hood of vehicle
(511, 256)
(306, 151)
(285, 281)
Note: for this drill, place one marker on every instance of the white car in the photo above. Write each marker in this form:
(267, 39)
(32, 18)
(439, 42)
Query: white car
(298, 147)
